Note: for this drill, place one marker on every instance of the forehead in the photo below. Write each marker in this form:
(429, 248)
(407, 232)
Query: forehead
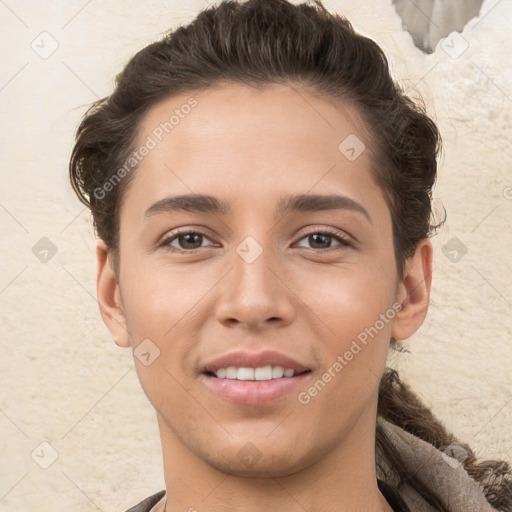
(241, 111)
(243, 139)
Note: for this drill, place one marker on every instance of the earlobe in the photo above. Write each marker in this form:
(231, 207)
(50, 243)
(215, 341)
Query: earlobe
(414, 292)
(109, 297)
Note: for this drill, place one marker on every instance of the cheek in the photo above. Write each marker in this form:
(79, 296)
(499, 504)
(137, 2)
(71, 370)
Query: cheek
(348, 299)
(159, 297)
(166, 305)
(355, 312)
(159, 307)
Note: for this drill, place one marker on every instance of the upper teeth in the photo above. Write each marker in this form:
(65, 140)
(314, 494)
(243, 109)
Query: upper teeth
(262, 373)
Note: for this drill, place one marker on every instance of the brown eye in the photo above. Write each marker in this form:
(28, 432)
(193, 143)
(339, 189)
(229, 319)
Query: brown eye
(184, 241)
(323, 240)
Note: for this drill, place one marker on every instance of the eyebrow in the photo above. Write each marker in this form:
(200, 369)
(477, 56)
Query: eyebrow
(201, 203)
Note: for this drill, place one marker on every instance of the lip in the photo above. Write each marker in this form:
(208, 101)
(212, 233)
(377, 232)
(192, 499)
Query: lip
(249, 392)
(242, 358)
(260, 392)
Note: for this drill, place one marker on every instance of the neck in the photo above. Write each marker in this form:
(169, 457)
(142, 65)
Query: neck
(342, 479)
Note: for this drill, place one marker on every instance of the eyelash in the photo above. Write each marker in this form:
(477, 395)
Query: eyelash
(344, 241)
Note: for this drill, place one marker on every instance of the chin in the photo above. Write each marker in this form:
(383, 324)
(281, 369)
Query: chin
(262, 465)
(261, 458)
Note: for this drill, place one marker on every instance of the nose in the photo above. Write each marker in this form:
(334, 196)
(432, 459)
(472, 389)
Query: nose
(255, 292)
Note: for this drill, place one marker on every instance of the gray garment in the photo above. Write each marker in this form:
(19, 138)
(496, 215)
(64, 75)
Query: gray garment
(444, 476)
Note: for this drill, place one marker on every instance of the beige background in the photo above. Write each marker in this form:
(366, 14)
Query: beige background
(64, 382)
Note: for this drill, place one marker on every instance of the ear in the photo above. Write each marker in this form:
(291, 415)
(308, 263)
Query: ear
(413, 292)
(109, 297)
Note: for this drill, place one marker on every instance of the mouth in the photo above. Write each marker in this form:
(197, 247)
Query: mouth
(254, 378)
(262, 373)
(253, 392)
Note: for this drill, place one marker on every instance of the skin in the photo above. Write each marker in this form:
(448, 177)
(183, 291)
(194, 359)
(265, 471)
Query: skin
(251, 147)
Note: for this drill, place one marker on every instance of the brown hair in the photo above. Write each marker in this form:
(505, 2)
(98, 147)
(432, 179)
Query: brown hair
(264, 42)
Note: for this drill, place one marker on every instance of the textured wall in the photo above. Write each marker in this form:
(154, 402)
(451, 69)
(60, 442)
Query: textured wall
(64, 382)
(428, 21)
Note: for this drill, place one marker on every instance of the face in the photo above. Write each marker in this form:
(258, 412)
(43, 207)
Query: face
(262, 280)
